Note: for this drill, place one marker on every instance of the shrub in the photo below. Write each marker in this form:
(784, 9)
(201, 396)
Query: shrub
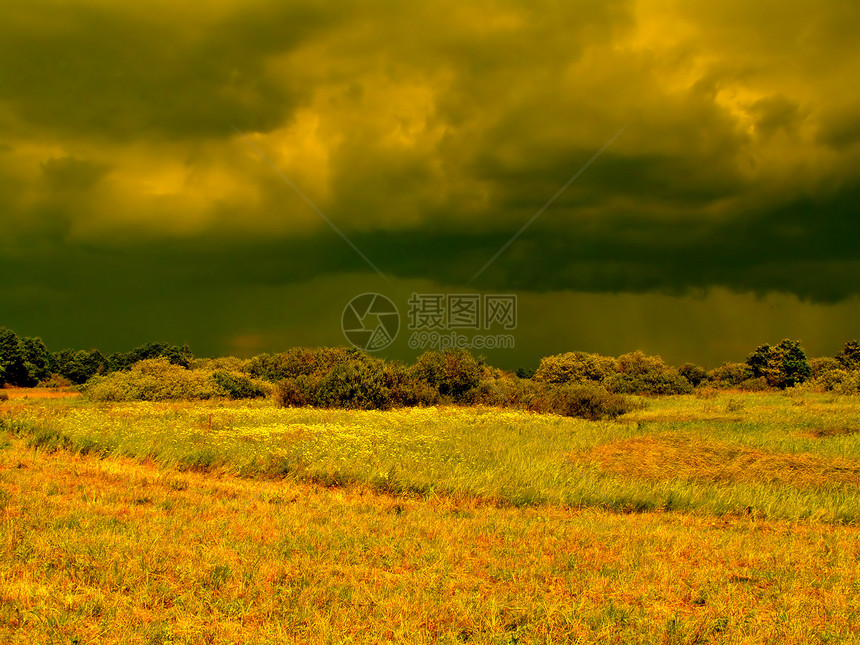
(298, 361)
(181, 356)
(783, 366)
(405, 389)
(730, 375)
(239, 386)
(56, 381)
(849, 357)
(79, 366)
(850, 384)
(588, 401)
(293, 393)
(693, 373)
(451, 373)
(754, 385)
(642, 374)
(575, 367)
(821, 366)
(831, 379)
(154, 379)
(358, 385)
(221, 363)
(502, 391)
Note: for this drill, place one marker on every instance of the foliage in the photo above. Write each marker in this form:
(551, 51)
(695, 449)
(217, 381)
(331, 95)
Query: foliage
(575, 367)
(56, 381)
(38, 361)
(79, 366)
(224, 363)
(783, 366)
(821, 366)
(23, 361)
(235, 385)
(181, 356)
(157, 379)
(642, 374)
(695, 374)
(759, 384)
(730, 375)
(154, 379)
(362, 383)
(587, 401)
(849, 357)
(12, 368)
(298, 361)
(453, 373)
(359, 384)
(406, 390)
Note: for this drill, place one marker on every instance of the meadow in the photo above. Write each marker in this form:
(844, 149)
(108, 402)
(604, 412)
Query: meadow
(710, 517)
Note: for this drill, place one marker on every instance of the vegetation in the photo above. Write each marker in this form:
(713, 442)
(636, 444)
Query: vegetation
(272, 500)
(580, 384)
(157, 379)
(219, 521)
(782, 366)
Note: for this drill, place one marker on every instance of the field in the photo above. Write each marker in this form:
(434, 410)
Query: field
(718, 517)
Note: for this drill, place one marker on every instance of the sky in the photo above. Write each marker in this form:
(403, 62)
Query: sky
(231, 173)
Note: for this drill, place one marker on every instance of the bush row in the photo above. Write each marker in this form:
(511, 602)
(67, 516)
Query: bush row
(768, 367)
(363, 382)
(157, 379)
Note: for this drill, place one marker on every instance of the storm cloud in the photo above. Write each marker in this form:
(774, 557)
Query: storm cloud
(429, 134)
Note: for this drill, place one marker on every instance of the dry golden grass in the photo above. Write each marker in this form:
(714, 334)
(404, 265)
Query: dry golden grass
(117, 551)
(669, 457)
(39, 393)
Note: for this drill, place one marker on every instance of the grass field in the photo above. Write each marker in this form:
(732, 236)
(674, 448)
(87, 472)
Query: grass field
(710, 518)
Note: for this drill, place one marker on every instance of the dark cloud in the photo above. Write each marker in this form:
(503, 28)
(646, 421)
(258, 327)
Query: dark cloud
(102, 70)
(430, 133)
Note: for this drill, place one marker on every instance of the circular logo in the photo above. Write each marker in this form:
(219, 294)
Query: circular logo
(370, 321)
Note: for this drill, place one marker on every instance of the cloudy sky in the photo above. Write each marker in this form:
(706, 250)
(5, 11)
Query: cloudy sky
(152, 158)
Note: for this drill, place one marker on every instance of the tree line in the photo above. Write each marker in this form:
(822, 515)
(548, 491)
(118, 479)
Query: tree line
(305, 375)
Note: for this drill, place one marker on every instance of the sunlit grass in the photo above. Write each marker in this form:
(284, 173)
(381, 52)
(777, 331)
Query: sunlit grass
(789, 456)
(117, 551)
(244, 523)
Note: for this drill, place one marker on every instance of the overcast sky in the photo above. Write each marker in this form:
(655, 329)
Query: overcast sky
(725, 215)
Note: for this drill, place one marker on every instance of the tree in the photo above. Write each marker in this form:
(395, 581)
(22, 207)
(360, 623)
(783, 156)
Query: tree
(453, 373)
(181, 356)
(12, 368)
(849, 357)
(782, 366)
(38, 361)
(80, 366)
(693, 373)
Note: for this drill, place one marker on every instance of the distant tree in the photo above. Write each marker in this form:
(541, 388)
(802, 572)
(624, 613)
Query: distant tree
(849, 357)
(12, 369)
(782, 366)
(575, 367)
(453, 373)
(181, 356)
(38, 361)
(693, 373)
(79, 366)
